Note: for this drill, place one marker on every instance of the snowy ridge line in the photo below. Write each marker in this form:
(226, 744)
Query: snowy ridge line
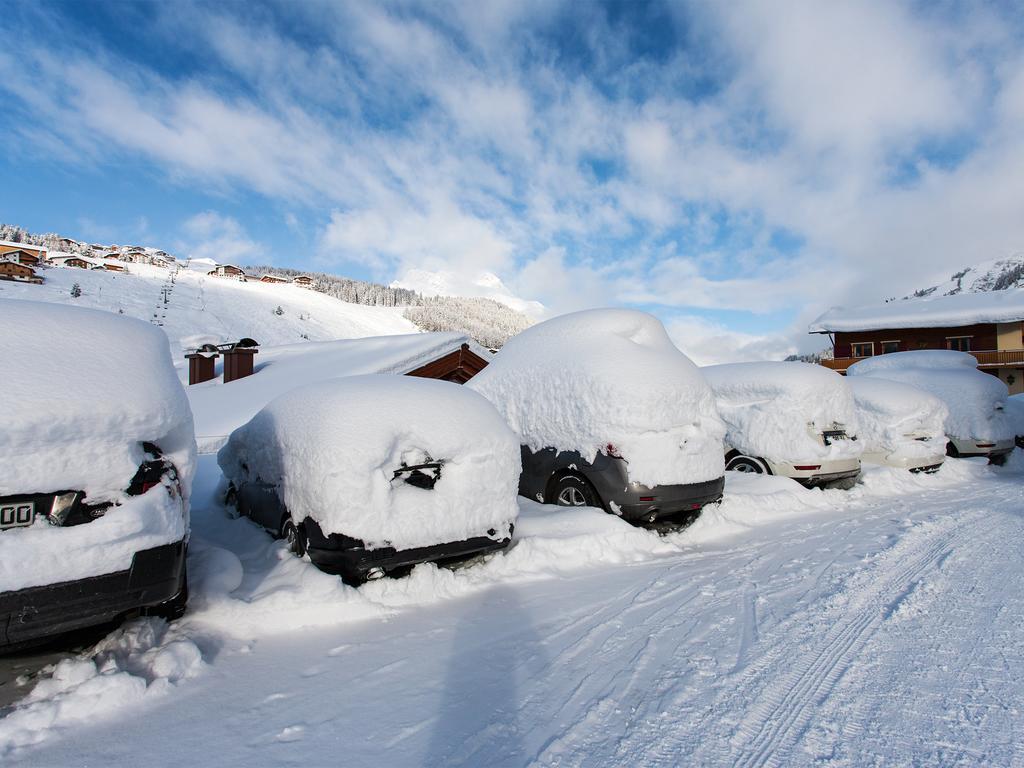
(782, 719)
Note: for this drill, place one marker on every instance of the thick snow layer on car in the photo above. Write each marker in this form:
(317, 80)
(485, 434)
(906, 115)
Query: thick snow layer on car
(1015, 411)
(333, 447)
(944, 311)
(610, 376)
(221, 408)
(898, 420)
(976, 400)
(84, 390)
(778, 410)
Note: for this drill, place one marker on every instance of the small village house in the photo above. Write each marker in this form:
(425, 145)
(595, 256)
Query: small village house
(22, 253)
(19, 273)
(268, 278)
(72, 261)
(303, 280)
(986, 325)
(227, 270)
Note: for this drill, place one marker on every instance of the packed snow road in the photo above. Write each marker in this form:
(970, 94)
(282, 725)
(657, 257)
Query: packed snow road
(788, 627)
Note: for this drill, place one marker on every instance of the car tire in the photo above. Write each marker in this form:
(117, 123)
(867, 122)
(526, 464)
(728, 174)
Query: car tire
(951, 450)
(747, 464)
(294, 537)
(573, 491)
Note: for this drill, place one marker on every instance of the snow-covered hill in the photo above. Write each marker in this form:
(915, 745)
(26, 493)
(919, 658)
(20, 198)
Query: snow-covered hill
(225, 309)
(485, 285)
(992, 275)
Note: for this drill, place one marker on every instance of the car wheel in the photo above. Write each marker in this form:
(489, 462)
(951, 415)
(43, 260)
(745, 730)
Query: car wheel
(747, 464)
(574, 491)
(951, 450)
(293, 537)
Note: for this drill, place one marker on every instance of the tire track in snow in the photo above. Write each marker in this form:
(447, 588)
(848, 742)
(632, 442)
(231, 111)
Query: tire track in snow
(776, 724)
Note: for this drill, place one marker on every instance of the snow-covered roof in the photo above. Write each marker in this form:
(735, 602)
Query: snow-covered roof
(28, 246)
(942, 312)
(221, 408)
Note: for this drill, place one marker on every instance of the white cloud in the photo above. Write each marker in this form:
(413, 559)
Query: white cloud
(708, 343)
(209, 235)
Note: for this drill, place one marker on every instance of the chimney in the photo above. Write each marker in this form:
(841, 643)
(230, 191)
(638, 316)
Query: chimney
(238, 359)
(201, 364)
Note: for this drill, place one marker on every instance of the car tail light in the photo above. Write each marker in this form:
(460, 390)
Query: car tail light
(806, 467)
(63, 504)
(647, 498)
(612, 451)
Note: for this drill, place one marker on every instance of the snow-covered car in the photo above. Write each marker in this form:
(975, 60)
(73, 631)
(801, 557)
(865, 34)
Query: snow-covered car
(788, 418)
(977, 423)
(900, 425)
(97, 453)
(369, 475)
(1015, 411)
(610, 414)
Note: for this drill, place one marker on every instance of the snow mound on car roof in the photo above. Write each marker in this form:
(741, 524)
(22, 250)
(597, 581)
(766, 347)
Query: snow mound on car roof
(333, 447)
(587, 379)
(83, 390)
(778, 410)
(975, 400)
(897, 419)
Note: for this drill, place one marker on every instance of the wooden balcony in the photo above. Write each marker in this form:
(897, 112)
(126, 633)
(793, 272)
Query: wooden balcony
(987, 358)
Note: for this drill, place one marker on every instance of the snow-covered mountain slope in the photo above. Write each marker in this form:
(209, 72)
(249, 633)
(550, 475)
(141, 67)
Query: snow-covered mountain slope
(485, 285)
(992, 275)
(223, 309)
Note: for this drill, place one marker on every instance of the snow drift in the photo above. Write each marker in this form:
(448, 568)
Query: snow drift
(976, 400)
(587, 379)
(778, 410)
(898, 420)
(332, 449)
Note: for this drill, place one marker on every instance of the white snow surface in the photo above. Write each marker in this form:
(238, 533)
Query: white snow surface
(777, 410)
(85, 389)
(976, 400)
(609, 376)
(878, 626)
(898, 420)
(333, 447)
(221, 408)
(944, 311)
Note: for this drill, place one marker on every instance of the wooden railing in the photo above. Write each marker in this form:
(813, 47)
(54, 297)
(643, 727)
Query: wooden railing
(988, 358)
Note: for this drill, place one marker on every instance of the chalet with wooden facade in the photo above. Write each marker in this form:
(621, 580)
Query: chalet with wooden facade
(22, 253)
(72, 261)
(989, 326)
(227, 270)
(303, 280)
(268, 278)
(18, 273)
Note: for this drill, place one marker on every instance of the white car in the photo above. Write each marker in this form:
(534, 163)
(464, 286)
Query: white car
(787, 418)
(977, 423)
(900, 425)
(97, 453)
(370, 475)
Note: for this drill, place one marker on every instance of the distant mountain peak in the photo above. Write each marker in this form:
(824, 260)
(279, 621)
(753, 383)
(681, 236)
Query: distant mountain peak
(483, 285)
(991, 275)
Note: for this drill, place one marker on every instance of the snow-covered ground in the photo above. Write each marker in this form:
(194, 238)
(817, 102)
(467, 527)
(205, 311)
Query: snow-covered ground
(879, 626)
(223, 308)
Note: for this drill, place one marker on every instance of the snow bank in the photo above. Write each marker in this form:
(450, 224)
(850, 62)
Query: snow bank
(221, 408)
(587, 379)
(138, 663)
(975, 400)
(778, 410)
(333, 447)
(85, 389)
(1015, 412)
(944, 311)
(899, 420)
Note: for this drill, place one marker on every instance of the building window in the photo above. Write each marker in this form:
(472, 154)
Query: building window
(959, 343)
(890, 346)
(865, 349)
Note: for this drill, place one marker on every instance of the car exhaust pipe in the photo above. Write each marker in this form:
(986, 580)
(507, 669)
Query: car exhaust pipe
(375, 573)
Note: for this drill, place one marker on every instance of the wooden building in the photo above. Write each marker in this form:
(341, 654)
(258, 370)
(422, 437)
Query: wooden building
(74, 261)
(227, 270)
(989, 326)
(273, 279)
(22, 253)
(303, 280)
(458, 366)
(19, 273)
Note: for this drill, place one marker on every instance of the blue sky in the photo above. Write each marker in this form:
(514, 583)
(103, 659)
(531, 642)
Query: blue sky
(735, 168)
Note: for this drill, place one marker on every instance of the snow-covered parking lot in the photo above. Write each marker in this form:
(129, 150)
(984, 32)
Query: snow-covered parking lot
(785, 627)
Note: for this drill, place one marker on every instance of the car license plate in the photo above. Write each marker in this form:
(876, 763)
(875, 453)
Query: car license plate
(17, 515)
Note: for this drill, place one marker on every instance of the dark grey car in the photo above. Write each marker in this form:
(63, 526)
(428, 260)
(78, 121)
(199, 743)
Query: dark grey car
(567, 479)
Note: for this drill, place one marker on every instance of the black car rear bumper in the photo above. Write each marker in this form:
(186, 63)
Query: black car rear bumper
(349, 558)
(666, 500)
(155, 576)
